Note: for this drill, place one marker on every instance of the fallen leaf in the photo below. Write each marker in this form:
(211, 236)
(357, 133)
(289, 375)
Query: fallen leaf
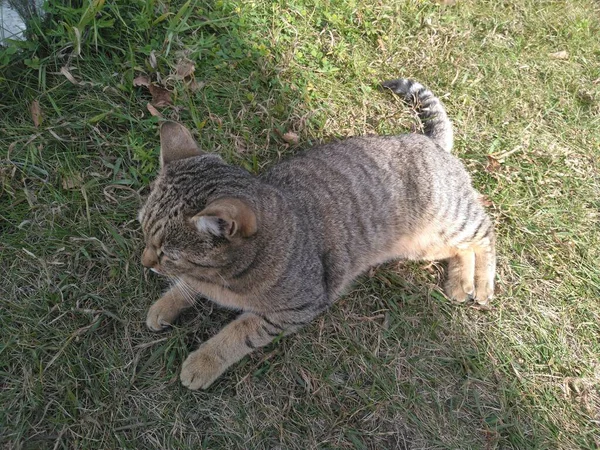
(153, 111)
(65, 71)
(36, 113)
(291, 138)
(184, 69)
(141, 80)
(493, 165)
(160, 96)
(72, 181)
(563, 54)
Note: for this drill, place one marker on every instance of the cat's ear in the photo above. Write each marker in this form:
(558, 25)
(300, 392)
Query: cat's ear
(226, 217)
(176, 142)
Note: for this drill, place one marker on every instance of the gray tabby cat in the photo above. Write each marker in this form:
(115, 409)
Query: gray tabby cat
(283, 246)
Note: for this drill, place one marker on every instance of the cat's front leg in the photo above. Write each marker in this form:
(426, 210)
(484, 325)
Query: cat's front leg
(243, 335)
(166, 309)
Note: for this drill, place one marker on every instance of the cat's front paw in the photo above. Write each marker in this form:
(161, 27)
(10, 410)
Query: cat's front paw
(201, 368)
(161, 315)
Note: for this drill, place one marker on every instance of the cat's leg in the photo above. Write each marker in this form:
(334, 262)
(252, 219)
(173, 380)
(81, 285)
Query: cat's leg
(248, 332)
(461, 275)
(485, 269)
(166, 309)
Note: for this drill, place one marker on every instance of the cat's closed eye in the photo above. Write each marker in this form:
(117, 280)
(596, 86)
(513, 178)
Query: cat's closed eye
(168, 254)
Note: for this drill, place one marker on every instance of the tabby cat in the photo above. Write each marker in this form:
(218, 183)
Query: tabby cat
(283, 246)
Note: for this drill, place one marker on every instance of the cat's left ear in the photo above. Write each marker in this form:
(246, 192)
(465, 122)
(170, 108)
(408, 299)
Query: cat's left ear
(176, 142)
(226, 217)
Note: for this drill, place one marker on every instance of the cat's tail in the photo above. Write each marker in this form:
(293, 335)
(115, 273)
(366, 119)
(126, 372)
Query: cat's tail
(431, 111)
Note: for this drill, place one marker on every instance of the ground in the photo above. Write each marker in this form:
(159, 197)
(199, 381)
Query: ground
(395, 364)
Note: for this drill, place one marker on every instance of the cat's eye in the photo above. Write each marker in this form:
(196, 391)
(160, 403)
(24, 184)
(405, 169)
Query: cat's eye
(170, 254)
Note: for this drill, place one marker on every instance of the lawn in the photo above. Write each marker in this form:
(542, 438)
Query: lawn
(394, 364)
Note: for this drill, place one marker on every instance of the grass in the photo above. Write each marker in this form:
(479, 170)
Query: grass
(394, 364)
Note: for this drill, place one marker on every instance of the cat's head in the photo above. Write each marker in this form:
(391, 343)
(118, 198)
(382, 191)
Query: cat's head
(187, 228)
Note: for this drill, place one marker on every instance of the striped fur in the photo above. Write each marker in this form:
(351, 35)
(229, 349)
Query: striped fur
(283, 246)
(430, 109)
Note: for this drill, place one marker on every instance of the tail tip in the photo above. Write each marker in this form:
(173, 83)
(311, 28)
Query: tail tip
(398, 85)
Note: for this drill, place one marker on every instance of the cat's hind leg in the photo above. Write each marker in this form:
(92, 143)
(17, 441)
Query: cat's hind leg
(472, 269)
(485, 268)
(461, 275)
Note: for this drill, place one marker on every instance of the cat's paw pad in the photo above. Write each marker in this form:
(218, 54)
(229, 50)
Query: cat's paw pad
(200, 369)
(159, 317)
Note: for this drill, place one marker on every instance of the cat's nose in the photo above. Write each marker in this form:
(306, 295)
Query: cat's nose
(149, 258)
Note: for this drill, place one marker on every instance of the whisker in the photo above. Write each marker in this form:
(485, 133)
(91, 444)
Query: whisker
(186, 291)
(225, 282)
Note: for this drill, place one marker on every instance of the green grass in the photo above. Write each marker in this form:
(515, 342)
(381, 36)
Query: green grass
(393, 365)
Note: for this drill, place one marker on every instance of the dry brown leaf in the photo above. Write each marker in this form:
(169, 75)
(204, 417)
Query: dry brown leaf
(65, 71)
(493, 165)
(153, 111)
(72, 181)
(291, 138)
(184, 69)
(141, 80)
(563, 54)
(160, 96)
(36, 113)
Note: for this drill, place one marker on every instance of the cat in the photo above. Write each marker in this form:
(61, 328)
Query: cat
(281, 247)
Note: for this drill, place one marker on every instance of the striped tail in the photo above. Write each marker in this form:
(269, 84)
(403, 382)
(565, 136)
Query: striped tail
(430, 109)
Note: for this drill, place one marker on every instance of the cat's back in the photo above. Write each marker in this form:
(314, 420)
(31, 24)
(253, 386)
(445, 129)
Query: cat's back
(369, 162)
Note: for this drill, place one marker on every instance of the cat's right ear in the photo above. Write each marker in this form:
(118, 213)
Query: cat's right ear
(227, 217)
(176, 142)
